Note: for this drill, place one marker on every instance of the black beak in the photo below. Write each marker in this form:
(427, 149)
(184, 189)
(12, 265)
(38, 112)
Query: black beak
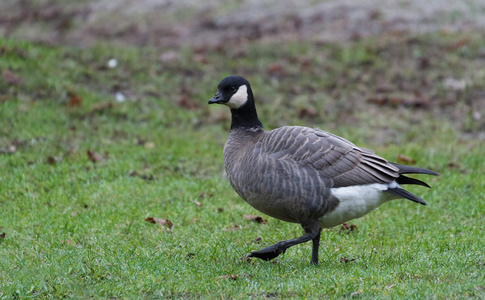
(217, 98)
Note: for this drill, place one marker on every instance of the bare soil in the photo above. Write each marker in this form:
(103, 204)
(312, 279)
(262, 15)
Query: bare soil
(169, 23)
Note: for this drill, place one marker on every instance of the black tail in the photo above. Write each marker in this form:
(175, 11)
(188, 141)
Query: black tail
(408, 180)
(412, 170)
(405, 194)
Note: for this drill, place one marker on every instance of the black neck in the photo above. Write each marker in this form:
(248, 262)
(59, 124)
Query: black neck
(246, 117)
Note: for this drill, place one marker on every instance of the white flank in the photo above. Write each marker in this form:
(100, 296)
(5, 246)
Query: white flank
(239, 98)
(357, 201)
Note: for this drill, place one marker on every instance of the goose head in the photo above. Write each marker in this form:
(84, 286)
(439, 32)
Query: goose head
(233, 91)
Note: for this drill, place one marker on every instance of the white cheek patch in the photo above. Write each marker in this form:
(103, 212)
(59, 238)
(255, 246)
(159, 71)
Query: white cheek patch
(239, 98)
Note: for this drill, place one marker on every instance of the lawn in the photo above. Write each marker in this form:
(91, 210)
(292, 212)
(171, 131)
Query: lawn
(90, 152)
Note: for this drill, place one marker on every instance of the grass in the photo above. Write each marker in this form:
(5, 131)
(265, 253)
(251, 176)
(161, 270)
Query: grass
(75, 224)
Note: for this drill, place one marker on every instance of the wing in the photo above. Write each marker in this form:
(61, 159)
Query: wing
(330, 156)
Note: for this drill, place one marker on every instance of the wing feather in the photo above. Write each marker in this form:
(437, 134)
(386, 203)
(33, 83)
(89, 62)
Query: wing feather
(331, 156)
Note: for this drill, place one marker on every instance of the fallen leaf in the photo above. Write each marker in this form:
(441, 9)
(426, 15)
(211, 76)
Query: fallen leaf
(347, 227)
(75, 100)
(453, 165)
(150, 145)
(100, 107)
(274, 68)
(94, 157)
(391, 101)
(11, 78)
(246, 259)
(163, 222)
(257, 240)
(344, 259)
(9, 150)
(232, 276)
(307, 113)
(2, 235)
(403, 159)
(170, 56)
(186, 101)
(200, 58)
(52, 160)
(197, 203)
(220, 209)
(255, 218)
(235, 227)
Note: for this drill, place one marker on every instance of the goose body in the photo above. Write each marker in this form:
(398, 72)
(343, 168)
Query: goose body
(303, 175)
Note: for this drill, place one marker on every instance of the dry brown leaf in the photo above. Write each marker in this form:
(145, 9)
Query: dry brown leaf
(11, 78)
(231, 276)
(220, 209)
(274, 68)
(187, 102)
(306, 112)
(163, 222)
(100, 107)
(403, 159)
(52, 160)
(94, 157)
(453, 165)
(344, 259)
(347, 227)
(235, 227)
(75, 100)
(255, 218)
(257, 240)
(2, 235)
(246, 259)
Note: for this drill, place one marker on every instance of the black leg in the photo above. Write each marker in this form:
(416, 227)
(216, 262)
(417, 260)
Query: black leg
(316, 244)
(273, 251)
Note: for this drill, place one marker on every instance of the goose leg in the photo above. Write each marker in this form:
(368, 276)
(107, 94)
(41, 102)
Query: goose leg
(316, 244)
(268, 253)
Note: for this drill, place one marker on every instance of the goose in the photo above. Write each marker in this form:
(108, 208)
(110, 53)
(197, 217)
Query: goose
(303, 175)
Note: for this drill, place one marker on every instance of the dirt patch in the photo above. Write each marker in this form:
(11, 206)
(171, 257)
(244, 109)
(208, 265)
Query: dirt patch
(168, 23)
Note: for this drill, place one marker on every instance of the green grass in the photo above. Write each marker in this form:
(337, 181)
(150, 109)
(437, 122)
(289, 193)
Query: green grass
(75, 228)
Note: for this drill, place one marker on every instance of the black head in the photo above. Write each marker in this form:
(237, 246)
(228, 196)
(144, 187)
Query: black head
(233, 91)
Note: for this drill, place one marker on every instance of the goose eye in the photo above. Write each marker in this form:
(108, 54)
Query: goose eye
(233, 89)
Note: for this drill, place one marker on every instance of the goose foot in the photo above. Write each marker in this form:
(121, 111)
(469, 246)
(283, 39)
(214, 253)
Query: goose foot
(268, 253)
(271, 252)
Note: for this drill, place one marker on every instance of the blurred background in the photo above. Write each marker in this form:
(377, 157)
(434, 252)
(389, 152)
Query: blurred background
(312, 57)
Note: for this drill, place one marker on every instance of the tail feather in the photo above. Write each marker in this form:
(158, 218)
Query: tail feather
(414, 170)
(405, 194)
(408, 180)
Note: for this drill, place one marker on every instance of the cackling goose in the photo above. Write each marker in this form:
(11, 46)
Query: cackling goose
(303, 175)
